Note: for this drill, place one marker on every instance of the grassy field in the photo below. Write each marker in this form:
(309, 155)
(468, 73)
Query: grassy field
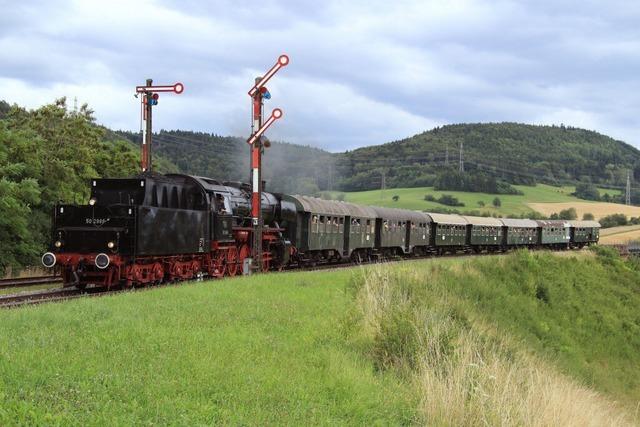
(620, 235)
(313, 348)
(413, 198)
(598, 209)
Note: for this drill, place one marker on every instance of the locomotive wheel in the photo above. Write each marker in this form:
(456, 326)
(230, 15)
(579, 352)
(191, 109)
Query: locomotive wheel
(243, 253)
(195, 268)
(158, 273)
(232, 261)
(221, 264)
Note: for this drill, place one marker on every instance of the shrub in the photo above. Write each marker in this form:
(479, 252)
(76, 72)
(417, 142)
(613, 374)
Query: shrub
(588, 216)
(396, 198)
(613, 220)
(449, 200)
(568, 214)
(497, 202)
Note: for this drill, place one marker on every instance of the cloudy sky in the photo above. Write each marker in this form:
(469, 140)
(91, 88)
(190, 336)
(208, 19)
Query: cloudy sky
(361, 73)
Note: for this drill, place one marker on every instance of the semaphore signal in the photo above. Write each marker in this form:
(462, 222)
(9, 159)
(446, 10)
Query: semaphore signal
(147, 101)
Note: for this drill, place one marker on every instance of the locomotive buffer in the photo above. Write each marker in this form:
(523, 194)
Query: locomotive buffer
(258, 93)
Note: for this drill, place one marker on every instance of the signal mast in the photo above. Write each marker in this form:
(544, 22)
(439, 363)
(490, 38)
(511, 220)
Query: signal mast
(258, 94)
(149, 98)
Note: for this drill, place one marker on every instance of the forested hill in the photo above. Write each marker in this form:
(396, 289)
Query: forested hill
(517, 153)
(287, 168)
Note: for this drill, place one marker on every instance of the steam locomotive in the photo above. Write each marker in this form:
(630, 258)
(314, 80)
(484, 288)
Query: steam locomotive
(154, 228)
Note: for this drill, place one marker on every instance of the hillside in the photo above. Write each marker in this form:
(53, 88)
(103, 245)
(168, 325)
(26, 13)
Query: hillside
(518, 339)
(509, 152)
(517, 153)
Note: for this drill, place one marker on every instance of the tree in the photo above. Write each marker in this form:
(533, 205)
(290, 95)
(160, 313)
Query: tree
(568, 214)
(49, 155)
(613, 220)
(588, 216)
(587, 191)
(19, 193)
(497, 202)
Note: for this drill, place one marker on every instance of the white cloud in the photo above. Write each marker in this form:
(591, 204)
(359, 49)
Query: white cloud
(361, 72)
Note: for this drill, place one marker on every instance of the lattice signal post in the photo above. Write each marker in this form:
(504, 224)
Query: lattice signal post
(148, 99)
(258, 94)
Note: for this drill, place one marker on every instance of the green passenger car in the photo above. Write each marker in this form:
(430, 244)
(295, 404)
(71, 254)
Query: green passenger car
(584, 232)
(519, 232)
(401, 230)
(331, 229)
(554, 232)
(484, 231)
(448, 230)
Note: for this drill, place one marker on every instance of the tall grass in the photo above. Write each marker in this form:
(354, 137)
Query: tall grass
(465, 372)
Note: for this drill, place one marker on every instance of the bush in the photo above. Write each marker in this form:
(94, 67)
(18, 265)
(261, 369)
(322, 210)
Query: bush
(568, 214)
(587, 191)
(430, 198)
(588, 216)
(396, 198)
(614, 220)
(481, 203)
(474, 181)
(449, 200)
(497, 202)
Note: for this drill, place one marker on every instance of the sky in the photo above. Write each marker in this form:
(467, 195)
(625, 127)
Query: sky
(360, 72)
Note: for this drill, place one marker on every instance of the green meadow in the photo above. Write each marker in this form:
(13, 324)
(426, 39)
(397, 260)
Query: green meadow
(382, 344)
(413, 198)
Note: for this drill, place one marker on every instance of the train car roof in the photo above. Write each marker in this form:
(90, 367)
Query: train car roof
(522, 223)
(483, 221)
(453, 219)
(399, 214)
(552, 223)
(331, 207)
(587, 224)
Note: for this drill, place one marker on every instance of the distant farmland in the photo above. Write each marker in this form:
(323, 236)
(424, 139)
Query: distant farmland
(598, 209)
(546, 196)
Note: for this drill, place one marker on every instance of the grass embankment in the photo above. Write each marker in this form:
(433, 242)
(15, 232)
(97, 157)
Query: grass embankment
(413, 198)
(519, 340)
(455, 341)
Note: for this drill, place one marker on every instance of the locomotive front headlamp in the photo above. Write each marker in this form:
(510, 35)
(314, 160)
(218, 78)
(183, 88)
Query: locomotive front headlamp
(92, 201)
(111, 245)
(58, 244)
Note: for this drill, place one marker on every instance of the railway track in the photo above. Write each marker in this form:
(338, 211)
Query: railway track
(24, 282)
(24, 298)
